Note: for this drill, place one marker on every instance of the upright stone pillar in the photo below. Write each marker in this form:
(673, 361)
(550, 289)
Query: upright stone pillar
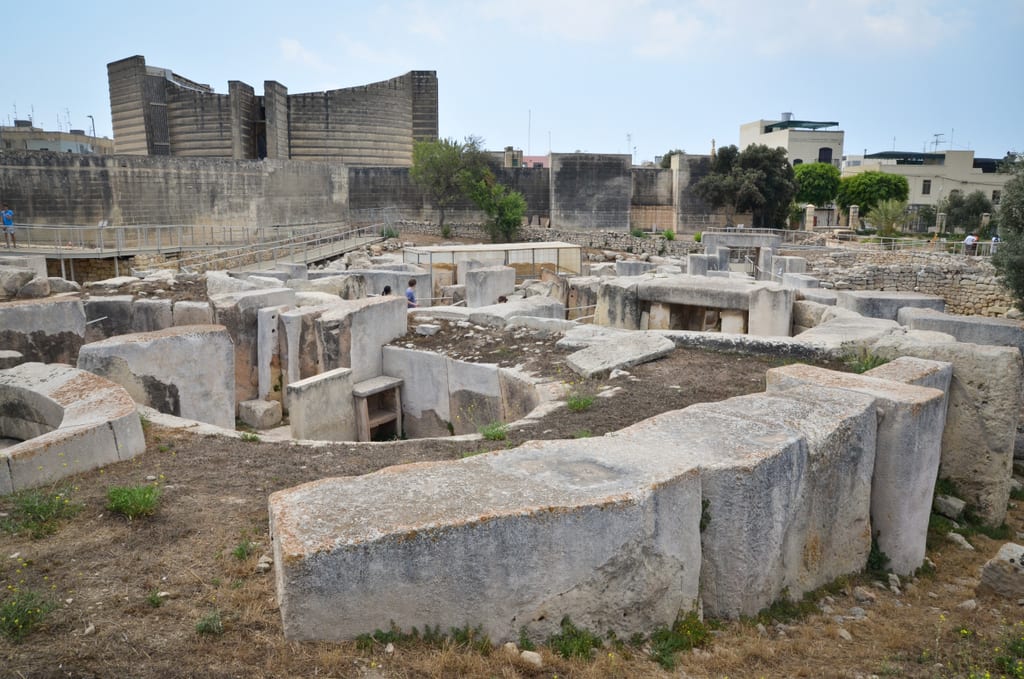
(809, 217)
(854, 216)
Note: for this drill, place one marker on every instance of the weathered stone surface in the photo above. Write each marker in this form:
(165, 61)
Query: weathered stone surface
(1003, 574)
(428, 329)
(973, 329)
(910, 429)
(497, 314)
(108, 316)
(632, 267)
(69, 421)
(13, 279)
(150, 315)
(474, 393)
(847, 334)
(546, 326)
(348, 286)
(220, 283)
(618, 305)
(9, 358)
(34, 263)
(981, 419)
(321, 407)
(315, 298)
(48, 331)
(633, 349)
(610, 540)
(185, 370)
(351, 333)
(238, 313)
(949, 506)
(191, 313)
(59, 285)
(485, 284)
(260, 414)
(426, 403)
(299, 351)
(36, 288)
(827, 297)
(885, 304)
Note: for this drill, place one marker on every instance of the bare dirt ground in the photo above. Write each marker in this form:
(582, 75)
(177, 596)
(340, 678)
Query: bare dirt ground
(128, 595)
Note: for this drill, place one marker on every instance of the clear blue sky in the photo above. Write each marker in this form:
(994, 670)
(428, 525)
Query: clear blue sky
(670, 74)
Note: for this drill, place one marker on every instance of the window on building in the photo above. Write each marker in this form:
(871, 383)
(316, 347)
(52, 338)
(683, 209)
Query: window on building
(825, 154)
(926, 187)
(797, 161)
(996, 195)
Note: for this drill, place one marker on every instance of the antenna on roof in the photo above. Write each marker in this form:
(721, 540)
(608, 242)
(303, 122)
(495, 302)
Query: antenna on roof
(938, 140)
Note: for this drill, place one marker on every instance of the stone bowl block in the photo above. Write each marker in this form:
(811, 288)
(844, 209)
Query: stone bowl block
(505, 540)
(910, 425)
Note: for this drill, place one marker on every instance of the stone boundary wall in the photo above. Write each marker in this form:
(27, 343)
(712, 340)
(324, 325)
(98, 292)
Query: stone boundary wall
(969, 285)
(599, 240)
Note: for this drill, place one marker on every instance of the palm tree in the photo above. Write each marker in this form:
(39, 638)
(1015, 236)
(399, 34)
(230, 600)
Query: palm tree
(888, 216)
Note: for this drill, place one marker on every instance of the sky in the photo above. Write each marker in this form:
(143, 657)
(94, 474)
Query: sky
(599, 76)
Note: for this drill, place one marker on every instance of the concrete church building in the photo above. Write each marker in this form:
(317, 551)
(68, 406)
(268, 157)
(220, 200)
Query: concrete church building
(157, 112)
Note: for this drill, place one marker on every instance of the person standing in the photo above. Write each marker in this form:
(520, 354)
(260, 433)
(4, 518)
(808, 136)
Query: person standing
(971, 244)
(7, 216)
(410, 293)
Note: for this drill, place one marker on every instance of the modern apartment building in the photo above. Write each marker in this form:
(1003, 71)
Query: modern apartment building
(805, 141)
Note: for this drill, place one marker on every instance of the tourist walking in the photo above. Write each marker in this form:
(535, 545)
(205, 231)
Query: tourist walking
(971, 244)
(7, 215)
(410, 293)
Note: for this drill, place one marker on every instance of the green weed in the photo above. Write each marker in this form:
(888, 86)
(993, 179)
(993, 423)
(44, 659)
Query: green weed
(582, 434)
(154, 599)
(210, 624)
(39, 512)
(21, 613)
(243, 550)
(637, 233)
(572, 641)
(578, 402)
(525, 643)
(669, 234)
(249, 436)
(863, 360)
(878, 561)
(685, 634)
(133, 501)
(495, 431)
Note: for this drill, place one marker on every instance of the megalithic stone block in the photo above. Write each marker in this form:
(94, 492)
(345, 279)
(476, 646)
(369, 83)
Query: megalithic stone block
(910, 425)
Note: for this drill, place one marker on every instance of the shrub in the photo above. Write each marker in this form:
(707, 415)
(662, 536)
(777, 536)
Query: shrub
(389, 232)
(250, 437)
(686, 633)
(21, 613)
(637, 233)
(133, 501)
(697, 236)
(210, 623)
(572, 641)
(39, 512)
(863, 360)
(669, 234)
(495, 431)
(243, 550)
(578, 402)
(446, 231)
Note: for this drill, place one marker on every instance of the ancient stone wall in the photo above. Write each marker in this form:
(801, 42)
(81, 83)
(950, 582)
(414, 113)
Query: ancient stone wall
(590, 191)
(968, 284)
(199, 123)
(59, 188)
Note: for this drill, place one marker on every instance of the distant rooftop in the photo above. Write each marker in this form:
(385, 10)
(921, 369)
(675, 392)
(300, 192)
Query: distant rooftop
(799, 125)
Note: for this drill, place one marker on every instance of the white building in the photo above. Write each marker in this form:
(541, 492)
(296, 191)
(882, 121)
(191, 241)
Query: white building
(805, 141)
(933, 176)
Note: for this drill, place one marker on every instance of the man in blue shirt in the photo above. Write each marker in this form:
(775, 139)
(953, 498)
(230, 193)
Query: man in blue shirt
(410, 293)
(7, 215)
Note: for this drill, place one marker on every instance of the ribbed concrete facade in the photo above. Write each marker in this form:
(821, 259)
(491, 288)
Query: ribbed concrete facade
(158, 112)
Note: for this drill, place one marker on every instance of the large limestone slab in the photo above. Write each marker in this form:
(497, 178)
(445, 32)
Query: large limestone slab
(186, 371)
(238, 312)
(426, 404)
(351, 334)
(485, 284)
(299, 351)
(149, 315)
(108, 316)
(886, 304)
(1002, 332)
(497, 314)
(474, 392)
(68, 420)
(321, 407)
(503, 540)
(756, 482)
(632, 349)
(848, 334)
(348, 286)
(981, 419)
(911, 420)
(618, 305)
(48, 331)
(13, 279)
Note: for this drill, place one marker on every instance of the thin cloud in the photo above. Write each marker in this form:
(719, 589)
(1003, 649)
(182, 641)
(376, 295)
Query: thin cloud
(293, 51)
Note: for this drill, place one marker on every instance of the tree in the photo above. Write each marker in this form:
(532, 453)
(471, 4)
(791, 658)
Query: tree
(1009, 258)
(666, 160)
(757, 179)
(504, 207)
(888, 216)
(444, 168)
(963, 213)
(867, 189)
(925, 217)
(817, 183)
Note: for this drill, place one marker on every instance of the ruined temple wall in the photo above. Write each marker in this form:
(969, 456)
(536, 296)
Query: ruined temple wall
(969, 285)
(127, 105)
(275, 106)
(56, 188)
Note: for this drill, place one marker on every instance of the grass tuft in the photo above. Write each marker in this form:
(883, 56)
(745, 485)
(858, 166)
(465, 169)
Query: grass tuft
(686, 633)
(210, 624)
(863, 360)
(495, 431)
(133, 501)
(573, 642)
(154, 599)
(669, 234)
(250, 437)
(39, 512)
(578, 402)
(243, 550)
